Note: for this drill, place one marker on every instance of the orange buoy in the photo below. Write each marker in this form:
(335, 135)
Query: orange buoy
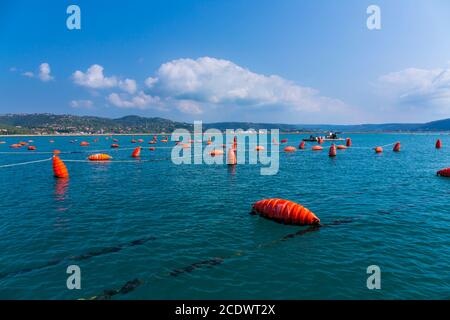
(259, 148)
(317, 148)
(208, 142)
(284, 140)
(59, 168)
(32, 148)
(216, 152)
(348, 142)
(235, 143)
(378, 149)
(100, 157)
(332, 151)
(341, 147)
(438, 144)
(231, 157)
(15, 146)
(320, 141)
(136, 153)
(302, 145)
(285, 211)
(84, 143)
(164, 140)
(56, 151)
(444, 173)
(23, 143)
(151, 149)
(396, 147)
(140, 140)
(114, 145)
(290, 149)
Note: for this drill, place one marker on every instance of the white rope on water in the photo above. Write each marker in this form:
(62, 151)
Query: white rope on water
(23, 163)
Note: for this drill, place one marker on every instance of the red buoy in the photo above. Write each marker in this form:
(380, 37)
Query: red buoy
(348, 142)
(302, 145)
(378, 149)
(438, 144)
(397, 147)
(136, 153)
(444, 172)
(151, 149)
(84, 143)
(317, 148)
(284, 140)
(59, 168)
(231, 159)
(32, 148)
(285, 211)
(332, 151)
(114, 145)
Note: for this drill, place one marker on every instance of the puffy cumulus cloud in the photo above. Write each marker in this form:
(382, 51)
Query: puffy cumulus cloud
(44, 72)
(81, 104)
(94, 78)
(128, 85)
(139, 101)
(211, 81)
(28, 74)
(188, 106)
(418, 87)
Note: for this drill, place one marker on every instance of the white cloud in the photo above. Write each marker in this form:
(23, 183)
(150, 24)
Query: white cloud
(28, 74)
(139, 101)
(418, 87)
(190, 107)
(128, 85)
(220, 82)
(44, 72)
(81, 104)
(94, 78)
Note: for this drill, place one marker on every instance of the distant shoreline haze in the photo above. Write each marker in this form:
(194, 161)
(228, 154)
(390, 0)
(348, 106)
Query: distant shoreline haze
(52, 124)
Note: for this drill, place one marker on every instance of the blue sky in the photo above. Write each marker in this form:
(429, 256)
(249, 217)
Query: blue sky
(265, 61)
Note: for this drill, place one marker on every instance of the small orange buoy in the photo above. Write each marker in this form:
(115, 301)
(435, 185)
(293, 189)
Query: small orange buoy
(302, 145)
(15, 146)
(320, 140)
(99, 157)
(164, 140)
(285, 211)
(397, 147)
(332, 151)
(136, 153)
(84, 143)
(259, 148)
(444, 173)
(378, 149)
(151, 149)
(56, 151)
(290, 149)
(438, 144)
(114, 145)
(59, 168)
(140, 140)
(23, 143)
(317, 148)
(348, 142)
(32, 148)
(231, 157)
(341, 147)
(216, 152)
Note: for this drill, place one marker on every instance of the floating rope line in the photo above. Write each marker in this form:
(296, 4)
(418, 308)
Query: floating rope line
(23, 163)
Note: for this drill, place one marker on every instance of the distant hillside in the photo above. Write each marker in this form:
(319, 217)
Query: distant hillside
(49, 124)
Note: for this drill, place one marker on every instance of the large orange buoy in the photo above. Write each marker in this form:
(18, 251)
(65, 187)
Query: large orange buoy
(290, 149)
(32, 148)
(285, 211)
(84, 143)
(100, 157)
(332, 151)
(302, 145)
(378, 149)
(396, 147)
(317, 148)
(348, 142)
(259, 148)
(284, 140)
(59, 168)
(136, 153)
(216, 152)
(231, 157)
(341, 147)
(444, 172)
(438, 144)
(114, 145)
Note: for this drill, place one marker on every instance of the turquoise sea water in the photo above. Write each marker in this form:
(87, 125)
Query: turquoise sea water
(185, 231)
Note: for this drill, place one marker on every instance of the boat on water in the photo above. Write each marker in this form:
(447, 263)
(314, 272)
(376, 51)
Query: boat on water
(331, 136)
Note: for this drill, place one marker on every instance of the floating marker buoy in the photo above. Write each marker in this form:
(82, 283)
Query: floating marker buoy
(32, 148)
(438, 144)
(231, 157)
(332, 151)
(114, 145)
(56, 151)
(259, 148)
(378, 149)
(302, 145)
(208, 142)
(100, 157)
(116, 140)
(444, 172)
(133, 141)
(397, 147)
(290, 149)
(284, 140)
(136, 153)
(341, 147)
(235, 144)
(348, 142)
(152, 142)
(51, 141)
(23, 143)
(320, 141)
(151, 149)
(84, 143)
(216, 152)
(140, 140)
(15, 146)
(317, 148)
(59, 168)
(285, 211)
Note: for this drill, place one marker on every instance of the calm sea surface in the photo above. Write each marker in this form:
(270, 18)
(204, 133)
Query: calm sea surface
(184, 231)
